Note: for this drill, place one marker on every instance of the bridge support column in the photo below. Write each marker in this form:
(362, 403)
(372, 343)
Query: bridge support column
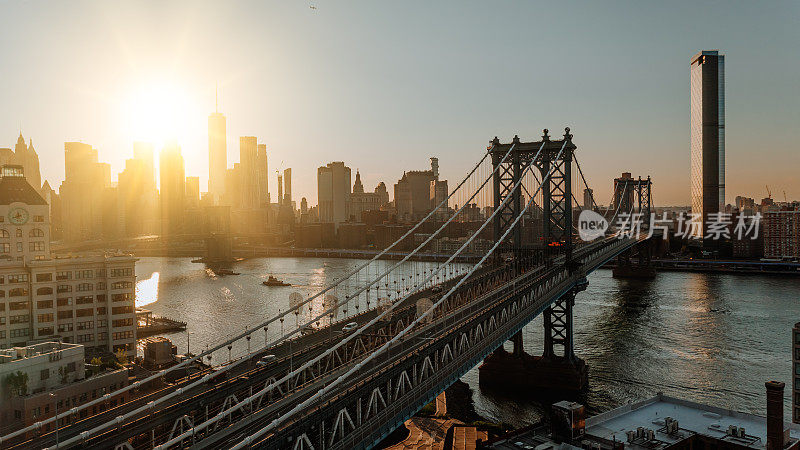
(557, 372)
(635, 263)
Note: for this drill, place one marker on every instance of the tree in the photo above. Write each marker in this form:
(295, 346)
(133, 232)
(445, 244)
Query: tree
(122, 357)
(17, 383)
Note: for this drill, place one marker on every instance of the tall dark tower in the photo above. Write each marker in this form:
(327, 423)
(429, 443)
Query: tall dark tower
(707, 136)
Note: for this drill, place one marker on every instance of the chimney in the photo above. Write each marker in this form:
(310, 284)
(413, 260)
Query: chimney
(774, 415)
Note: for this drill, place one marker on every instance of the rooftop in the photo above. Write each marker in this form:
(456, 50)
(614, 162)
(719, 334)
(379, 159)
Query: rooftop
(17, 189)
(32, 351)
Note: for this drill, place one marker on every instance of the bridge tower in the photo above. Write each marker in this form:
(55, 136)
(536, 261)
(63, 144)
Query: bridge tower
(558, 367)
(633, 198)
(555, 155)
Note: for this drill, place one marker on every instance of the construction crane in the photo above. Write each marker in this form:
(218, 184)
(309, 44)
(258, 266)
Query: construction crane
(769, 193)
(784, 197)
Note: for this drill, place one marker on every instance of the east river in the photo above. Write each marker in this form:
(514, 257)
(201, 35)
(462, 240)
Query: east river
(705, 337)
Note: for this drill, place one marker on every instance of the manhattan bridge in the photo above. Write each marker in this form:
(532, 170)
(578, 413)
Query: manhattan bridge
(364, 353)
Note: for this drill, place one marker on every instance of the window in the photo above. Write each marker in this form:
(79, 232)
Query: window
(64, 301)
(122, 310)
(64, 288)
(101, 285)
(36, 232)
(44, 290)
(100, 273)
(38, 219)
(44, 374)
(126, 272)
(67, 275)
(85, 325)
(36, 246)
(21, 278)
(46, 331)
(22, 318)
(101, 298)
(44, 304)
(122, 297)
(122, 335)
(83, 287)
(65, 315)
(19, 333)
(83, 274)
(64, 327)
(84, 312)
(18, 306)
(121, 285)
(83, 300)
(44, 277)
(19, 246)
(102, 311)
(2, 279)
(18, 292)
(42, 318)
(84, 338)
(2, 294)
(4, 233)
(19, 232)
(5, 247)
(122, 323)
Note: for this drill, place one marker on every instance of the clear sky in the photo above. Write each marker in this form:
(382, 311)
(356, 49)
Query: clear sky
(385, 85)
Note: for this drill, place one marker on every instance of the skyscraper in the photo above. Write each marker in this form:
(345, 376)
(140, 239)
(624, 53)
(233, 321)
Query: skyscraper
(143, 151)
(81, 191)
(263, 174)
(248, 160)
(707, 136)
(173, 189)
(217, 155)
(287, 187)
(333, 190)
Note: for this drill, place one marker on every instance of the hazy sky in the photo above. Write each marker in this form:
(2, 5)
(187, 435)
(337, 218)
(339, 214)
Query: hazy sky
(385, 85)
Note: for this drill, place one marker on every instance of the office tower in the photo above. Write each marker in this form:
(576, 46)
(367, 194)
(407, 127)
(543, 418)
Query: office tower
(217, 155)
(132, 188)
(192, 192)
(588, 203)
(413, 193)
(287, 187)
(173, 189)
(280, 189)
(303, 206)
(143, 151)
(333, 192)
(248, 149)
(81, 192)
(707, 135)
(263, 174)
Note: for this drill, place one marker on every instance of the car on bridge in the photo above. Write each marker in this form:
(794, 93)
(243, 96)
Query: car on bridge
(349, 327)
(266, 360)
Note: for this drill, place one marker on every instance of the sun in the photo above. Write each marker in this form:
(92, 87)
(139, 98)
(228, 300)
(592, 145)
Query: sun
(158, 112)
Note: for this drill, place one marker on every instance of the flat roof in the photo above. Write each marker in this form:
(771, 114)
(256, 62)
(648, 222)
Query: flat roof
(693, 418)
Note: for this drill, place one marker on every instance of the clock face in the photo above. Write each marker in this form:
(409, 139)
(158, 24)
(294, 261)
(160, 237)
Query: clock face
(18, 216)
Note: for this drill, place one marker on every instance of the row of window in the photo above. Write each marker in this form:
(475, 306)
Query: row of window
(84, 274)
(36, 246)
(36, 232)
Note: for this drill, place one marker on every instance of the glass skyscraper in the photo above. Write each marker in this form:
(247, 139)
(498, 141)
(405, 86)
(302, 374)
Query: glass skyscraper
(707, 136)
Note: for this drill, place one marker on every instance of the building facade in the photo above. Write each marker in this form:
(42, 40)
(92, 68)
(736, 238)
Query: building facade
(781, 231)
(173, 189)
(707, 134)
(361, 201)
(333, 191)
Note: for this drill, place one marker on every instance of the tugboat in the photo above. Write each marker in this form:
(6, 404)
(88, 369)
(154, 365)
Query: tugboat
(272, 281)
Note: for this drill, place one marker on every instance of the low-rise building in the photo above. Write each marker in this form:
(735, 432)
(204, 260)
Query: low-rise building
(781, 234)
(41, 379)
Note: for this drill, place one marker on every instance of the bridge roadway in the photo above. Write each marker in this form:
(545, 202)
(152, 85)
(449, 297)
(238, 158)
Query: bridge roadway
(400, 383)
(196, 400)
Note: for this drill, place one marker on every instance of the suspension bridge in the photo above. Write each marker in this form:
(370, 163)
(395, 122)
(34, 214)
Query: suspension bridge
(367, 351)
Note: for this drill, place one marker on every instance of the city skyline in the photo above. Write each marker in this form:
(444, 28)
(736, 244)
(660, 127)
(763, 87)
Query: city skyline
(317, 100)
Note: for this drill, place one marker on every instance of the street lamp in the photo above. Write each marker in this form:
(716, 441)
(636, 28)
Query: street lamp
(55, 400)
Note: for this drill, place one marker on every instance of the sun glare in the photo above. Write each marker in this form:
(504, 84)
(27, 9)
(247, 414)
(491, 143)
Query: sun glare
(159, 112)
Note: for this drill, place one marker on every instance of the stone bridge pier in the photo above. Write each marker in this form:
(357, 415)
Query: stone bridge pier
(558, 370)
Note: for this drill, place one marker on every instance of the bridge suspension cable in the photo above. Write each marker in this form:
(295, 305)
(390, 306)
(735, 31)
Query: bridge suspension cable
(248, 440)
(275, 318)
(248, 401)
